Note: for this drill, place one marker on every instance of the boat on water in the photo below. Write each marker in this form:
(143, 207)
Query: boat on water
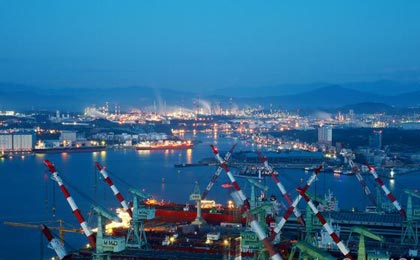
(164, 144)
(214, 214)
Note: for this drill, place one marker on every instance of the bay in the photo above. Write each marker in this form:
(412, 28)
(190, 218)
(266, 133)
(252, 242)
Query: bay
(30, 196)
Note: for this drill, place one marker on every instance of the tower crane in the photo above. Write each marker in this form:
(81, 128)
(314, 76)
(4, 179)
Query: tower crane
(363, 232)
(307, 249)
(54, 244)
(245, 203)
(60, 228)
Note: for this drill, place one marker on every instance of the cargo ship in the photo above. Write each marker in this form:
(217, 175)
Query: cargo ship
(70, 149)
(212, 213)
(164, 144)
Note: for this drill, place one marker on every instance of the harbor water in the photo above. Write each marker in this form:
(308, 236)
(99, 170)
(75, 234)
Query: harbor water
(30, 196)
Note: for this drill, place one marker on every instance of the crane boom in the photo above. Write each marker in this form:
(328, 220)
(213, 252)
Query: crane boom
(217, 173)
(387, 192)
(114, 189)
(289, 212)
(89, 234)
(283, 191)
(252, 221)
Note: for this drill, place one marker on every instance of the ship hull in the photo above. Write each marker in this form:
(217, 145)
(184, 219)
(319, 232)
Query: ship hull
(70, 149)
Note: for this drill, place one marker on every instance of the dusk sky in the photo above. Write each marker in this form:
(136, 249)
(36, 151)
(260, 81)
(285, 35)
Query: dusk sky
(207, 44)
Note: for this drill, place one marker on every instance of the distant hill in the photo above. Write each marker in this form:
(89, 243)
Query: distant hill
(22, 97)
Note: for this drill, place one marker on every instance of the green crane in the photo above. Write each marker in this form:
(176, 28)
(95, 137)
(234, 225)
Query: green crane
(308, 250)
(136, 237)
(409, 232)
(363, 232)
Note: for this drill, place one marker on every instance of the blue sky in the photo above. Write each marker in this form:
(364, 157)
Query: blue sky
(207, 44)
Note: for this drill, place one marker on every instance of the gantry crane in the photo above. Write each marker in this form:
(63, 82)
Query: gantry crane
(363, 232)
(136, 237)
(409, 232)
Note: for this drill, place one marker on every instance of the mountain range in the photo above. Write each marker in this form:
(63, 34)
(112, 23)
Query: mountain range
(308, 96)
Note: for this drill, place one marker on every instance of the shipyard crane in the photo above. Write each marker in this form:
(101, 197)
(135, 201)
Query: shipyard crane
(217, 173)
(106, 244)
(254, 184)
(387, 192)
(195, 196)
(86, 230)
(243, 201)
(55, 244)
(363, 232)
(409, 234)
(283, 191)
(348, 157)
(344, 250)
(114, 189)
(307, 250)
(60, 228)
(289, 212)
(136, 237)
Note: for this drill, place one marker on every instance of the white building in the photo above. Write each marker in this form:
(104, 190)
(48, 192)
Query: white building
(17, 142)
(69, 136)
(325, 135)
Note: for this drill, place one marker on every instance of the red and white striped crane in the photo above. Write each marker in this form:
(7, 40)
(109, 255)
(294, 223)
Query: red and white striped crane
(348, 157)
(252, 221)
(217, 173)
(86, 230)
(283, 191)
(344, 250)
(387, 192)
(55, 244)
(114, 189)
(296, 201)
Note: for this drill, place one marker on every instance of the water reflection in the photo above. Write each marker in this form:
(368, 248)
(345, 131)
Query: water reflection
(189, 156)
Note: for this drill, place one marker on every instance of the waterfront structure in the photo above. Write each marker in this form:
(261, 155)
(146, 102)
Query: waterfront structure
(325, 135)
(375, 141)
(16, 142)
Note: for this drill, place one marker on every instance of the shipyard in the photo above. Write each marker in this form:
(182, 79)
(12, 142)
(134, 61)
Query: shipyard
(200, 130)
